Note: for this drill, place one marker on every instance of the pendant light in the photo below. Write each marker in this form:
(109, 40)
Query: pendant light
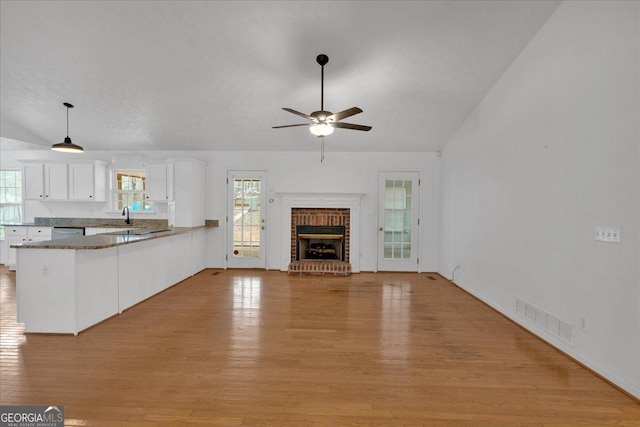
(67, 146)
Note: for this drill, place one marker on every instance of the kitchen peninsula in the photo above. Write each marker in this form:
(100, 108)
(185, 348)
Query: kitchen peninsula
(66, 286)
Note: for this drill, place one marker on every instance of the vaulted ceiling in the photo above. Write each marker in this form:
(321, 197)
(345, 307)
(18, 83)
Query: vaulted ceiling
(214, 75)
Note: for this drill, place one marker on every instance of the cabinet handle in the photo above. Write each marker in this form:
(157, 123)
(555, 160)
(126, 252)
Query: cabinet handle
(90, 196)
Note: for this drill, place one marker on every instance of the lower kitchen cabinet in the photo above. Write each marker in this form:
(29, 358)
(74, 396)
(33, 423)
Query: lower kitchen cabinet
(21, 234)
(69, 290)
(149, 267)
(66, 290)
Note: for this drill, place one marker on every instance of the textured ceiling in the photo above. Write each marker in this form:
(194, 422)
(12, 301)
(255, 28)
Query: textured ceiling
(180, 75)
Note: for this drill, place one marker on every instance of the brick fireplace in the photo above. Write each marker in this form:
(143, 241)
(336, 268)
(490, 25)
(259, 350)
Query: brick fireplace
(326, 222)
(327, 228)
(320, 240)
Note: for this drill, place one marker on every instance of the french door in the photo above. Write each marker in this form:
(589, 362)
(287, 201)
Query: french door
(246, 220)
(398, 207)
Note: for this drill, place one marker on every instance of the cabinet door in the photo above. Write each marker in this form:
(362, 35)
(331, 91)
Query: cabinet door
(56, 182)
(33, 181)
(38, 234)
(170, 187)
(14, 235)
(81, 181)
(157, 182)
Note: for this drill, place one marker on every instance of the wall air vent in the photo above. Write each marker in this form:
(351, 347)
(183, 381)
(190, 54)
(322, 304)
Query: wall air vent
(546, 321)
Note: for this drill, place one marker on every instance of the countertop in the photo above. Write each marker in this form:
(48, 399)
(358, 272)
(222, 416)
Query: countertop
(102, 241)
(33, 224)
(100, 222)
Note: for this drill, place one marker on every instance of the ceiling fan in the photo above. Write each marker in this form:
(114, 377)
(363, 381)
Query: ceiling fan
(322, 123)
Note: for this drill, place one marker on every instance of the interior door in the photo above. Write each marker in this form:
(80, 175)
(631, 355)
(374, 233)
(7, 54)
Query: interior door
(398, 208)
(246, 220)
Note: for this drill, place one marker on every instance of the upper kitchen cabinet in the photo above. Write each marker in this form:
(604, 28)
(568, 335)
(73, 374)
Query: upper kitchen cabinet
(189, 206)
(160, 182)
(65, 181)
(33, 181)
(46, 181)
(88, 181)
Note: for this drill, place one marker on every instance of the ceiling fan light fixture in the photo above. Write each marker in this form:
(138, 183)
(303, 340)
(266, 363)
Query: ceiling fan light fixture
(67, 146)
(321, 129)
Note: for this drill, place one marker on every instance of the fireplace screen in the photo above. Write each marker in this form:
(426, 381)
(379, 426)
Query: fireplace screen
(320, 242)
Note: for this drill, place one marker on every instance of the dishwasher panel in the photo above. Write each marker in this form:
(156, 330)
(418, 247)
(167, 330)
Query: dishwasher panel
(66, 232)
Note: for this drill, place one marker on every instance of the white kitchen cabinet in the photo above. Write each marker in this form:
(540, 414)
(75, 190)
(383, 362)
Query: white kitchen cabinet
(159, 182)
(66, 290)
(88, 181)
(190, 198)
(15, 235)
(38, 234)
(33, 181)
(56, 181)
(48, 181)
(170, 182)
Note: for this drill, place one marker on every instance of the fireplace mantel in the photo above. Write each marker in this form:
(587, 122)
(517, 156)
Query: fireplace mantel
(350, 201)
(320, 200)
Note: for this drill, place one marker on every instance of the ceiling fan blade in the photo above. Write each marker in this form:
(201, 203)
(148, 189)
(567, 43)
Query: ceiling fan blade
(298, 113)
(346, 113)
(289, 126)
(351, 126)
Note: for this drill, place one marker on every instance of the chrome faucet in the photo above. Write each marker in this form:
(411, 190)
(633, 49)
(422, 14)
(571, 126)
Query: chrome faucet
(126, 221)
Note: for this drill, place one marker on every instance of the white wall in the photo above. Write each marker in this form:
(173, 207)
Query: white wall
(549, 154)
(286, 172)
(289, 172)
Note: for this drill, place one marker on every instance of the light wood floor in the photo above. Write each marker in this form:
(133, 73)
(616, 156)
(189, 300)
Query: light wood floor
(244, 347)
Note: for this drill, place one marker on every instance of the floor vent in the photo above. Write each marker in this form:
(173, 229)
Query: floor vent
(431, 278)
(549, 322)
(215, 273)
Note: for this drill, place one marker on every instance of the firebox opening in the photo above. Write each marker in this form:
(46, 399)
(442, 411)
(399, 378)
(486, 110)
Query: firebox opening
(320, 242)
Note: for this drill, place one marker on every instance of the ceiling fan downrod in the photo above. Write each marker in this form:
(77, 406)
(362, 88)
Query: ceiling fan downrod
(322, 59)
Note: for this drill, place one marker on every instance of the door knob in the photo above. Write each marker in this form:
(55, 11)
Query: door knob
(381, 229)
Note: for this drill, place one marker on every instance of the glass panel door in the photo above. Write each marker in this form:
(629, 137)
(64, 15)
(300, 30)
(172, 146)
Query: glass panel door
(246, 219)
(398, 213)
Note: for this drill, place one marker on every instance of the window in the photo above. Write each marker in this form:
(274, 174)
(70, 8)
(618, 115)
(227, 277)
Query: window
(130, 188)
(10, 198)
